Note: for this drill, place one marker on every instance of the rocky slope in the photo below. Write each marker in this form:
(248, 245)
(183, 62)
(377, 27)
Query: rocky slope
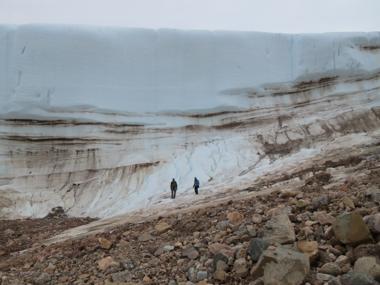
(320, 225)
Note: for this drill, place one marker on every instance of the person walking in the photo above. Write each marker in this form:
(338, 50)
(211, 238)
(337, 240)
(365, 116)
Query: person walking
(196, 185)
(173, 188)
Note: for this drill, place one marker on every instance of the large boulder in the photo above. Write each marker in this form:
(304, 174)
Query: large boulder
(349, 228)
(281, 266)
(369, 266)
(279, 229)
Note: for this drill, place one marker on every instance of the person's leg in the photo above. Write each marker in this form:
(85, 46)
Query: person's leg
(196, 190)
(175, 191)
(172, 194)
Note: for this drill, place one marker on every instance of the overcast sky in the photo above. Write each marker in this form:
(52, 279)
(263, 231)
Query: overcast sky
(290, 16)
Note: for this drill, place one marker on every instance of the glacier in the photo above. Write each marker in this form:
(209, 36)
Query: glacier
(99, 120)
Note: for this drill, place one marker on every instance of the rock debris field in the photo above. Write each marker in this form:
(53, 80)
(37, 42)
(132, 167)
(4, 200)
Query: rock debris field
(324, 231)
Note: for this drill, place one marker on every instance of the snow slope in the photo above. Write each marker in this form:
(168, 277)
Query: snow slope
(98, 120)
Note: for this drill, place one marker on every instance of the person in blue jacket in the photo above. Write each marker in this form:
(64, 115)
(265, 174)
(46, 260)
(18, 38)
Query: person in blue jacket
(196, 185)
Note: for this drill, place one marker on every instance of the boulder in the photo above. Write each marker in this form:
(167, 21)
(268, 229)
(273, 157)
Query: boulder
(349, 228)
(357, 278)
(282, 266)
(256, 248)
(279, 229)
(369, 266)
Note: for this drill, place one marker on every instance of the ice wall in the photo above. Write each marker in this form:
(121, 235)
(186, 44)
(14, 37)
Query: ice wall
(142, 70)
(98, 120)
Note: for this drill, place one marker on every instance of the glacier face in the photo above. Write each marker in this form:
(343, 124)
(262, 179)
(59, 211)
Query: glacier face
(98, 120)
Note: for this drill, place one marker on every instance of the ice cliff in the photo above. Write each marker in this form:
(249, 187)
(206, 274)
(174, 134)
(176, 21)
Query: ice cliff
(98, 120)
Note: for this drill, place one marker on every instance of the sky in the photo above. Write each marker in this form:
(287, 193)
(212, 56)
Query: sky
(283, 16)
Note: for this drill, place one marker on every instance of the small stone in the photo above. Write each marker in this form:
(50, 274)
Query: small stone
(251, 231)
(42, 279)
(168, 248)
(350, 228)
(190, 252)
(147, 280)
(330, 268)
(122, 276)
(342, 260)
(310, 248)
(107, 262)
(323, 218)
(319, 202)
(104, 243)
(201, 275)
(324, 277)
(257, 219)
(162, 227)
(192, 274)
(235, 218)
(347, 201)
(220, 275)
(145, 237)
(240, 267)
(369, 266)
(256, 247)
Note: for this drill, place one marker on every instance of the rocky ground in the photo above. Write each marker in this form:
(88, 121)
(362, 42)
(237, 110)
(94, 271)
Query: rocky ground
(325, 231)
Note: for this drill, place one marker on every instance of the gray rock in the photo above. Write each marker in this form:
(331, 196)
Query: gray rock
(240, 267)
(122, 276)
(374, 193)
(282, 266)
(319, 202)
(192, 274)
(349, 228)
(43, 279)
(324, 277)
(190, 252)
(366, 250)
(369, 266)
(220, 262)
(373, 222)
(330, 268)
(201, 275)
(256, 248)
(357, 278)
(279, 229)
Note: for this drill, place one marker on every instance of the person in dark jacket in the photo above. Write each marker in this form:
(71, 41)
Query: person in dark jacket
(173, 187)
(196, 185)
